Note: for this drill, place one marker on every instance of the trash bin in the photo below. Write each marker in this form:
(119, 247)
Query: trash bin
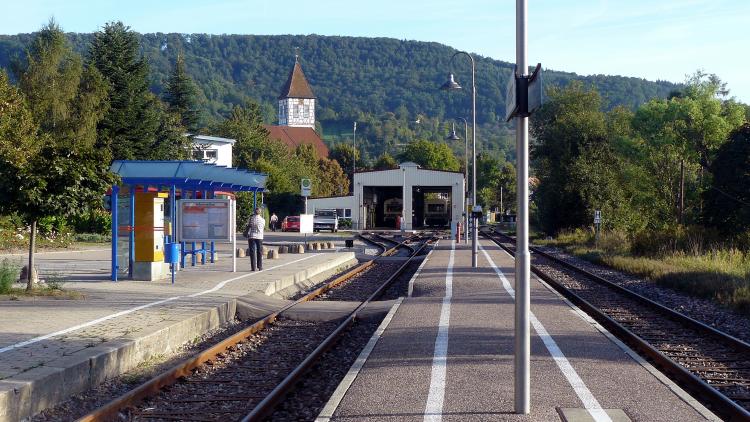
(349, 243)
(172, 253)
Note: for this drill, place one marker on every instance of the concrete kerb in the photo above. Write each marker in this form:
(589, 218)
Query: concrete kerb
(26, 394)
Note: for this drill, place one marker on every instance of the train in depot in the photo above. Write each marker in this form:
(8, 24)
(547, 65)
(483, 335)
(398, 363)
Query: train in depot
(436, 212)
(392, 210)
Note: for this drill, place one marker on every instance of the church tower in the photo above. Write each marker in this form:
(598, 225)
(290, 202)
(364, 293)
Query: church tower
(297, 101)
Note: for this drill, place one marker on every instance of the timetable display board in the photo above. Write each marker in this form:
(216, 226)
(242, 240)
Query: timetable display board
(205, 219)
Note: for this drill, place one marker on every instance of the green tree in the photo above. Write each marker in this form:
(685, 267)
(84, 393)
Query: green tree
(682, 135)
(727, 202)
(344, 154)
(431, 155)
(332, 181)
(385, 162)
(64, 174)
(181, 94)
(574, 159)
(131, 124)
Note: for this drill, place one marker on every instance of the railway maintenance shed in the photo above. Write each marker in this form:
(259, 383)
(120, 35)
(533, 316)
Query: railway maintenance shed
(379, 196)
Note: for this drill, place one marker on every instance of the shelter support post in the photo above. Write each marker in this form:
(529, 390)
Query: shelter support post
(131, 236)
(233, 225)
(114, 206)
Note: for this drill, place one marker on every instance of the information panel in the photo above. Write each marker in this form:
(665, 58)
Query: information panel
(205, 219)
(306, 223)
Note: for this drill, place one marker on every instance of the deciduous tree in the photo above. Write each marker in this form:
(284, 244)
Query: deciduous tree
(64, 173)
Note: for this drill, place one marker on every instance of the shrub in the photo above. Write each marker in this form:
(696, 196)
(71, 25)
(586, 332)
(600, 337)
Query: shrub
(8, 274)
(94, 221)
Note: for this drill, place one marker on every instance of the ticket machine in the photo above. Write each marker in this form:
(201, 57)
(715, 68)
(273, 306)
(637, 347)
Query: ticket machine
(149, 237)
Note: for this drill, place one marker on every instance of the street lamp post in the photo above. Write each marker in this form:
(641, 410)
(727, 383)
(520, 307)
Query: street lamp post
(451, 84)
(454, 137)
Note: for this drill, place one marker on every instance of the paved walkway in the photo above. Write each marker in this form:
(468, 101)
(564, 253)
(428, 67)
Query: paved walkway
(447, 354)
(74, 344)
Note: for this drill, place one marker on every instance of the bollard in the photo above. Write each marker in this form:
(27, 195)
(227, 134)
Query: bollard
(241, 253)
(283, 249)
(300, 249)
(273, 254)
(331, 245)
(316, 246)
(309, 246)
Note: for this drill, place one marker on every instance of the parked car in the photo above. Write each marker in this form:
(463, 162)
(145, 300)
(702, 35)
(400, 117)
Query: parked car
(290, 223)
(326, 220)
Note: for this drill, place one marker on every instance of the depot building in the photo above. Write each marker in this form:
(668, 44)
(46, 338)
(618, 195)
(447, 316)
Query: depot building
(427, 198)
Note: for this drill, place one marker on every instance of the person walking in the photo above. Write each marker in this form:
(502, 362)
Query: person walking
(274, 221)
(254, 233)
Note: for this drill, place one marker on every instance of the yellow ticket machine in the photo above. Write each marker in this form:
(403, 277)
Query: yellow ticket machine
(149, 237)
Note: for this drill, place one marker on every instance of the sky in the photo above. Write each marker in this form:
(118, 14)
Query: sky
(665, 39)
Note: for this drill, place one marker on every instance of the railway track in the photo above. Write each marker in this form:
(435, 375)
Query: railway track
(711, 364)
(245, 376)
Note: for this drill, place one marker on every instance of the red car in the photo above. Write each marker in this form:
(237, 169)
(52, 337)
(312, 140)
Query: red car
(290, 224)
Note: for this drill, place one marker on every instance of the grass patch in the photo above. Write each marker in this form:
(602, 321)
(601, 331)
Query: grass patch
(53, 286)
(720, 275)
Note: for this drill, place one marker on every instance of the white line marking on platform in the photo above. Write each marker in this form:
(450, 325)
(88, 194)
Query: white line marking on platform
(419, 270)
(138, 308)
(434, 409)
(584, 394)
(326, 414)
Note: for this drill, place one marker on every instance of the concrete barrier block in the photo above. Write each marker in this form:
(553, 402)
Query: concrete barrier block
(331, 245)
(282, 249)
(241, 253)
(273, 254)
(300, 249)
(45, 382)
(15, 400)
(316, 246)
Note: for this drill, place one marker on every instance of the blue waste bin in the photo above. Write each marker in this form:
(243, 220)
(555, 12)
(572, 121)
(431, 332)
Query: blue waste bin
(172, 253)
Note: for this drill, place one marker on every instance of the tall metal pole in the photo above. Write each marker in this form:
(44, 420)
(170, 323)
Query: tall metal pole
(474, 228)
(354, 158)
(466, 180)
(523, 303)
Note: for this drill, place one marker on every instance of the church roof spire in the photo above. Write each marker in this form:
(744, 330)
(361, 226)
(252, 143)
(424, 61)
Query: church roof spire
(296, 86)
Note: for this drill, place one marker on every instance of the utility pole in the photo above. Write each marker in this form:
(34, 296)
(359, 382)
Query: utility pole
(522, 379)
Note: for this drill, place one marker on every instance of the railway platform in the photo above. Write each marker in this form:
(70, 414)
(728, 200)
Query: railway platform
(53, 348)
(446, 353)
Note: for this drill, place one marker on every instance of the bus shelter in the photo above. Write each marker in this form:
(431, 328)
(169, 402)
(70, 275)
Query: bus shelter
(144, 206)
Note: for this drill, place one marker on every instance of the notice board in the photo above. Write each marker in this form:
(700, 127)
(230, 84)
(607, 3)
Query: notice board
(205, 219)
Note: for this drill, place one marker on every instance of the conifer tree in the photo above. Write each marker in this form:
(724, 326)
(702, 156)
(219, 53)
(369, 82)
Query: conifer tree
(130, 126)
(181, 96)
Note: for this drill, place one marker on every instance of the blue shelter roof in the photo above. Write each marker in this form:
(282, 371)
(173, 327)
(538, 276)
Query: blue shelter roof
(195, 175)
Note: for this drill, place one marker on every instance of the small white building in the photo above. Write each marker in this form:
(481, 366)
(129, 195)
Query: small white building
(426, 198)
(213, 150)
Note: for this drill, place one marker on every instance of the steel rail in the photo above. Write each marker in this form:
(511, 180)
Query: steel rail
(153, 386)
(722, 403)
(266, 407)
(402, 244)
